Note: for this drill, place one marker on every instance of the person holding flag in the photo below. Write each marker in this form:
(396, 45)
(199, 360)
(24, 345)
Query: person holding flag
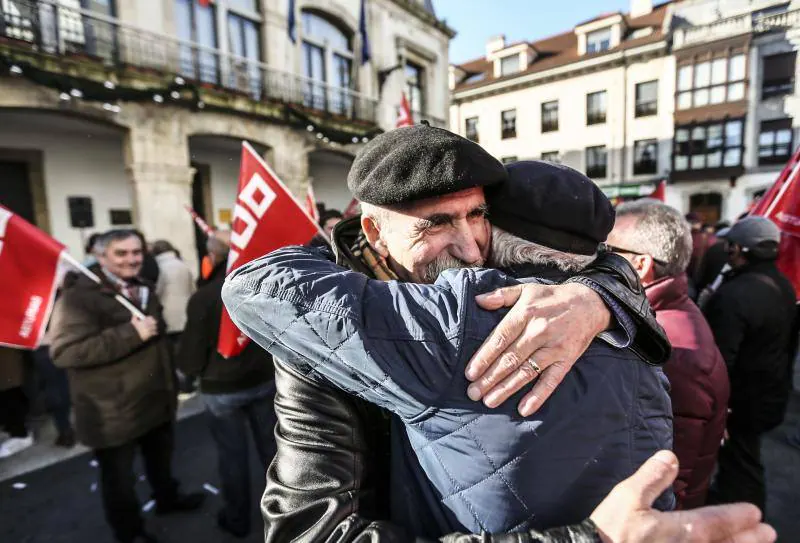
(121, 381)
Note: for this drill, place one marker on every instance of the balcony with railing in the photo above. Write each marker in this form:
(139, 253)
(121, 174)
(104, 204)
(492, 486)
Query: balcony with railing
(51, 30)
(745, 23)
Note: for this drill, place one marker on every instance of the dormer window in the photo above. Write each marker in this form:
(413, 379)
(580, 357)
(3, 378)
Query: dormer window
(509, 65)
(598, 41)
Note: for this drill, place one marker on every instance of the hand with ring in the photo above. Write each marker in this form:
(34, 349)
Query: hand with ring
(548, 328)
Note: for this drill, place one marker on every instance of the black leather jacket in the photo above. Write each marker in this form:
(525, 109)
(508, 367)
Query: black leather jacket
(329, 479)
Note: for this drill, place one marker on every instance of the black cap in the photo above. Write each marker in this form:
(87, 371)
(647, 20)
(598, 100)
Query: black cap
(552, 205)
(418, 162)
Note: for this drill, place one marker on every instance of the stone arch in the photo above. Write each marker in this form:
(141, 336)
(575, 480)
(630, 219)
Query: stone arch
(334, 11)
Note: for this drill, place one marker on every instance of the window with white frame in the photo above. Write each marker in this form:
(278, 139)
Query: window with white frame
(645, 157)
(711, 81)
(596, 107)
(646, 98)
(716, 144)
(550, 116)
(327, 63)
(471, 129)
(197, 24)
(551, 156)
(508, 124)
(598, 41)
(596, 161)
(244, 42)
(509, 65)
(508, 159)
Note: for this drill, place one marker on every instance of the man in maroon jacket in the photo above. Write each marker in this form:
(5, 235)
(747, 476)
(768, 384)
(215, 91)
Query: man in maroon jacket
(657, 241)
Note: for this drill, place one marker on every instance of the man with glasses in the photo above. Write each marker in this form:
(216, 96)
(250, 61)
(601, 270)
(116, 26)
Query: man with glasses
(121, 382)
(657, 241)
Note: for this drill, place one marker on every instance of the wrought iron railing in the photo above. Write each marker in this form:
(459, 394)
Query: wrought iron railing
(49, 27)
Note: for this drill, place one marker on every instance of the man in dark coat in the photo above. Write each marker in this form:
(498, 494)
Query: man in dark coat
(656, 240)
(121, 382)
(331, 476)
(239, 393)
(752, 315)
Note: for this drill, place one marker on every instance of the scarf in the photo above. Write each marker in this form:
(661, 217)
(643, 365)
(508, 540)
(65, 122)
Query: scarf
(363, 251)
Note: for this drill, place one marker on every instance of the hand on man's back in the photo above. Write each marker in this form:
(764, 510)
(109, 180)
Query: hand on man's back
(551, 325)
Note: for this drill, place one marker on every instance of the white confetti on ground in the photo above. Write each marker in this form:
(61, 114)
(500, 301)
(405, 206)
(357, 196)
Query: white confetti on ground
(210, 488)
(19, 486)
(148, 506)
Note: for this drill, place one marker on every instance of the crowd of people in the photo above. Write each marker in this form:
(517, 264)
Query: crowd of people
(486, 353)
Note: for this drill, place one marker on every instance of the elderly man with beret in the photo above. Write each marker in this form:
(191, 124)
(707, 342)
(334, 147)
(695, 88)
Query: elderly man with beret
(425, 213)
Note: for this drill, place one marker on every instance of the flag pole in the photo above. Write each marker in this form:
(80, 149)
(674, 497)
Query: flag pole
(93, 276)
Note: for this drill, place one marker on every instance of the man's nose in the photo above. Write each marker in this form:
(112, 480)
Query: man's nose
(465, 246)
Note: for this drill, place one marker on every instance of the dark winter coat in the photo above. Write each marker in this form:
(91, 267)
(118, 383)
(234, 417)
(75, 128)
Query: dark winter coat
(198, 354)
(121, 387)
(404, 347)
(699, 387)
(752, 316)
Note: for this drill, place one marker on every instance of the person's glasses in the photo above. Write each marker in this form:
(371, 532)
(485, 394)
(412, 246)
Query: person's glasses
(615, 249)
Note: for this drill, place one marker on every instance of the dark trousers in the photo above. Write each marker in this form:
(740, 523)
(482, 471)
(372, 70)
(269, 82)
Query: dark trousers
(14, 411)
(118, 481)
(741, 474)
(232, 418)
(56, 389)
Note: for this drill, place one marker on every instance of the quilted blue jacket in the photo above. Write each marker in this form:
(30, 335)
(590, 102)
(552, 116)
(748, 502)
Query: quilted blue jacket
(404, 347)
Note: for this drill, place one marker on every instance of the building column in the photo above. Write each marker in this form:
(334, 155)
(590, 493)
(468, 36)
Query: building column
(289, 158)
(157, 163)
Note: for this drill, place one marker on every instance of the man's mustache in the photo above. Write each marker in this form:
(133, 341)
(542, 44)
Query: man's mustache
(446, 262)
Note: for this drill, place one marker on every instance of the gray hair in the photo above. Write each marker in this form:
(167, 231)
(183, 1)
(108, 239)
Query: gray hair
(659, 231)
(509, 250)
(107, 238)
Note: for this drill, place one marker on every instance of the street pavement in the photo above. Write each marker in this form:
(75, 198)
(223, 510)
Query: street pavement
(60, 503)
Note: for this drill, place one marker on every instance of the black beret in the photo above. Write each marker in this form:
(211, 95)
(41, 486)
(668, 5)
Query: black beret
(420, 162)
(552, 205)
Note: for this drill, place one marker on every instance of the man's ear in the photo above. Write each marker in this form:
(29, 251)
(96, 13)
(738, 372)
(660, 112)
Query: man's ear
(372, 231)
(643, 264)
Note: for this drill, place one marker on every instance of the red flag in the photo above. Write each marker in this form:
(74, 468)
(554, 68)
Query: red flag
(352, 209)
(660, 192)
(781, 204)
(198, 220)
(404, 117)
(29, 271)
(204, 3)
(311, 203)
(266, 217)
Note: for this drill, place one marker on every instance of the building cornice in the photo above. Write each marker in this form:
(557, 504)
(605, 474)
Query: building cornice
(418, 11)
(566, 71)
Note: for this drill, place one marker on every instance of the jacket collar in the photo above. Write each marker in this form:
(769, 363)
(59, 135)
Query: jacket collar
(763, 266)
(667, 291)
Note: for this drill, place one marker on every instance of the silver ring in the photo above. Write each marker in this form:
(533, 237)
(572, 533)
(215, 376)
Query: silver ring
(534, 366)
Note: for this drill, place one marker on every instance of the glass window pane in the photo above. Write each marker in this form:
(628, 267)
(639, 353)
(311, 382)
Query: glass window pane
(719, 68)
(781, 150)
(700, 98)
(714, 136)
(765, 151)
(685, 78)
(322, 30)
(681, 135)
(718, 94)
(681, 162)
(599, 40)
(235, 38)
(736, 68)
(733, 157)
(698, 133)
(733, 133)
(698, 162)
(252, 47)
(685, 100)
(783, 136)
(735, 92)
(766, 138)
(702, 74)
(509, 65)
(714, 160)
(647, 92)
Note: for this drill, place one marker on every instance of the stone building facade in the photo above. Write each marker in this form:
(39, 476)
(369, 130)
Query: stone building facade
(136, 108)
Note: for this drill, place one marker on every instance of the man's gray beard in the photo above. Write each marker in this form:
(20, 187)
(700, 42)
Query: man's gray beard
(445, 262)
